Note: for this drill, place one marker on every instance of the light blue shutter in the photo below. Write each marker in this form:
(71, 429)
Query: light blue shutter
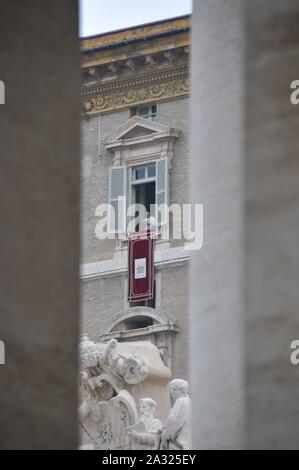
(2, 92)
(117, 199)
(162, 189)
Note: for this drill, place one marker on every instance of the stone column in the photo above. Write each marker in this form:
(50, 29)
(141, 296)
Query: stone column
(245, 296)
(217, 157)
(39, 242)
(272, 224)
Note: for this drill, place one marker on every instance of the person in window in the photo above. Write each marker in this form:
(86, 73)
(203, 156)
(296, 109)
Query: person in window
(148, 224)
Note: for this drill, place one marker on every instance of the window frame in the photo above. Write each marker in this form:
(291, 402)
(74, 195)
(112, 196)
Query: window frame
(151, 116)
(146, 179)
(133, 183)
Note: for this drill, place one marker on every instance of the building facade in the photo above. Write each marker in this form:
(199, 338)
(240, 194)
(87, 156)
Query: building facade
(135, 124)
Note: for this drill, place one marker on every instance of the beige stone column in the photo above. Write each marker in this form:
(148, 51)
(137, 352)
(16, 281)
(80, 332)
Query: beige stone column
(39, 242)
(217, 182)
(272, 224)
(244, 158)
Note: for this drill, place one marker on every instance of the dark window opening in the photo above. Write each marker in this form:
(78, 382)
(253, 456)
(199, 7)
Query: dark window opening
(138, 322)
(151, 303)
(144, 194)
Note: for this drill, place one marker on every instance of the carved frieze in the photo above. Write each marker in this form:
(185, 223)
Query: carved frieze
(132, 92)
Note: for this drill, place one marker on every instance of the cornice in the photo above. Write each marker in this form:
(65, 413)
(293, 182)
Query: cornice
(169, 327)
(139, 40)
(116, 266)
(139, 32)
(133, 91)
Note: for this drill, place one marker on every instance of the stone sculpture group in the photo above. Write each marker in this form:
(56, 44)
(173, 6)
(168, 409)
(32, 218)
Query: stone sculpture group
(113, 378)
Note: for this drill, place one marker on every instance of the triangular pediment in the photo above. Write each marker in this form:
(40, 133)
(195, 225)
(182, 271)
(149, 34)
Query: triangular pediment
(137, 131)
(138, 128)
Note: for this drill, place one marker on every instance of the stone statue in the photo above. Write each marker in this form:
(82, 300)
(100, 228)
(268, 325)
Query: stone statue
(111, 356)
(112, 377)
(144, 434)
(176, 434)
(132, 369)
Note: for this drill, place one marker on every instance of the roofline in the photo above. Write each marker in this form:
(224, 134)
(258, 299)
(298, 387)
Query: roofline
(142, 25)
(149, 37)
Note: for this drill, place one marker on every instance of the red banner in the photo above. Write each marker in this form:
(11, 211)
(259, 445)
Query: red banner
(141, 266)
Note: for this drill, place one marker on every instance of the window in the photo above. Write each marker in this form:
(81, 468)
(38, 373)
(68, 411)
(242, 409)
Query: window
(144, 172)
(146, 112)
(138, 322)
(144, 188)
(139, 173)
(148, 187)
(146, 303)
(151, 171)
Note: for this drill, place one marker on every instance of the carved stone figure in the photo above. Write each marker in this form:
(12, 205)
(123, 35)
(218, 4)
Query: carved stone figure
(112, 378)
(132, 369)
(89, 355)
(144, 434)
(176, 434)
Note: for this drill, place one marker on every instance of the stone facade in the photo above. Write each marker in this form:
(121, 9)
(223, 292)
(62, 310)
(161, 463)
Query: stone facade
(146, 65)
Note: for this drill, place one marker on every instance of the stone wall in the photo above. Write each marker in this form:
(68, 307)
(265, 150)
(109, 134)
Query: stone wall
(95, 169)
(101, 298)
(104, 297)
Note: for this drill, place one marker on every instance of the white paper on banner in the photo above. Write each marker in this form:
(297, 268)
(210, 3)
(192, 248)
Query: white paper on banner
(140, 268)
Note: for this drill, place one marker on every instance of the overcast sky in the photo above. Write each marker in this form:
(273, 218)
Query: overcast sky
(99, 16)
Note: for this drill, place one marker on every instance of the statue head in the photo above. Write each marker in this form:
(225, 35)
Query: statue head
(178, 388)
(113, 343)
(147, 407)
(88, 353)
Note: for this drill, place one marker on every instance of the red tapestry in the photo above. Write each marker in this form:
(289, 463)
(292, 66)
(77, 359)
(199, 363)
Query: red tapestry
(141, 266)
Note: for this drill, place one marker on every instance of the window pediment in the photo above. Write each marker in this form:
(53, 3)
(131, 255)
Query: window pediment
(138, 130)
(141, 140)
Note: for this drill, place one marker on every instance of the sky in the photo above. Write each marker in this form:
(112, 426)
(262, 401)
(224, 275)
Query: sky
(100, 16)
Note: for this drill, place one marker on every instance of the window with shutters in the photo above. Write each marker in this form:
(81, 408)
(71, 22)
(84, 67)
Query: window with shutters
(142, 151)
(117, 200)
(149, 188)
(143, 192)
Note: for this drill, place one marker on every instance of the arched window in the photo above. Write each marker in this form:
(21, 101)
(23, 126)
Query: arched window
(143, 324)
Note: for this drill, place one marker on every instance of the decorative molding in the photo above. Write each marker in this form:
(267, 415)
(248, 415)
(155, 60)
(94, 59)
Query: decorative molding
(153, 141)
(147, 331)
(161, 333)
(132, 92)
(154, 128)
(132, 312)
(118, 265)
